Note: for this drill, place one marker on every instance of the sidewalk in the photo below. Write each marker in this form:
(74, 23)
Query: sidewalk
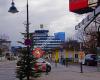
(61, 72)
(5, 62)
(2, 59)
(72, 72)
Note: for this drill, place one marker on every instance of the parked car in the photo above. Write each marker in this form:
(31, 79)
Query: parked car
(42, 64)
(45, 65)
(91, 59)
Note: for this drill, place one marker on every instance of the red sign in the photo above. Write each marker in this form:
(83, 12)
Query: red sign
(38, 52)
(77, 4)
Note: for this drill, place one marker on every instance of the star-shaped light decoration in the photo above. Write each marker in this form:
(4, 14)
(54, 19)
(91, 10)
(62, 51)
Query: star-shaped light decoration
(38, 52)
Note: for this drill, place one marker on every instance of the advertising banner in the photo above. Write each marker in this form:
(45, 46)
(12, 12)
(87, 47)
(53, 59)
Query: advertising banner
(81, 56)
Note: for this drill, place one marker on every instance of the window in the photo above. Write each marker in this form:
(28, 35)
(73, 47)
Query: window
(76, 55)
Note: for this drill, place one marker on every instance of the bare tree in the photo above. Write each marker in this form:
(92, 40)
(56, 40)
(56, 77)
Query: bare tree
(88, 38)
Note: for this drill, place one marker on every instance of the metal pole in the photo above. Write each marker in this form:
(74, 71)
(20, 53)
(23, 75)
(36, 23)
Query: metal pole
(98, 38)
(27, 24)
(81, 66)
(28, 47)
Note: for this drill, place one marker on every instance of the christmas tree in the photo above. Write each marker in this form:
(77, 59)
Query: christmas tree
(27, 66)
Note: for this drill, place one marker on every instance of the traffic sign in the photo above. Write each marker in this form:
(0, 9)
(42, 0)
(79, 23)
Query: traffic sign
(28, 42)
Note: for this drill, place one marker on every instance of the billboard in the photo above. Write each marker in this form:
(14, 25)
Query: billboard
(79, 6)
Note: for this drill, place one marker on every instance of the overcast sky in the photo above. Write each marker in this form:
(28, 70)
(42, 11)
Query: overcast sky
(54, 14)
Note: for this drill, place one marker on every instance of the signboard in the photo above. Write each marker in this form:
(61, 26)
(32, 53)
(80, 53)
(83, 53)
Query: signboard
(92, 3)
(81, 56)
(38, 52)
(28, 42)
(79, 6)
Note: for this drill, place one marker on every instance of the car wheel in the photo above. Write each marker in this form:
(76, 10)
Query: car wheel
(48, 69)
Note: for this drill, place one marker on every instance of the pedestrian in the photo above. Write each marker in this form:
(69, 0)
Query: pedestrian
(47, 71)
(64, 61)
(61, 59)
(55, 63)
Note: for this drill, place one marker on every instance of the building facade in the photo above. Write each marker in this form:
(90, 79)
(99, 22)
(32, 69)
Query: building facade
(42, 39)
(5, 48)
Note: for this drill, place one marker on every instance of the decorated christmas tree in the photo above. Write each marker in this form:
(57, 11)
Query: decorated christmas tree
(27, 66)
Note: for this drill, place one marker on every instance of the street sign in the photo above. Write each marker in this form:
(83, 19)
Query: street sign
(28, 42)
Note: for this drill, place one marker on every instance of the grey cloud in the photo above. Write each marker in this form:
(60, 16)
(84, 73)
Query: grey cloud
(55, 13)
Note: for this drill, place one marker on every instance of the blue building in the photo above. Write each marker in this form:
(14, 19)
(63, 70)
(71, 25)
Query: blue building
(60, 36)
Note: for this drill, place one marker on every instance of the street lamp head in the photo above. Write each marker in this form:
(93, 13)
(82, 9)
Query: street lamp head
(13, 9)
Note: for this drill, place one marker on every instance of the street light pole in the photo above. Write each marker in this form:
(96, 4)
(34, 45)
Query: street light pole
(27, 24)
(81, 65)
(28, 47)
(13, 9)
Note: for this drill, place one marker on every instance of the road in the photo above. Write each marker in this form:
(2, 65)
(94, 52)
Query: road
(7, 70)
(71, 72)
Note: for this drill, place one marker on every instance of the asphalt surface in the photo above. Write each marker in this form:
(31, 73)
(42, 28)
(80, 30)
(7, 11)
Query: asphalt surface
(61, 72)
(7, 70)
(72, 72)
